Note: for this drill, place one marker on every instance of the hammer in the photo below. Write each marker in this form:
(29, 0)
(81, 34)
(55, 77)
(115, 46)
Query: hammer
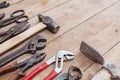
(46, 22)
(95, 56)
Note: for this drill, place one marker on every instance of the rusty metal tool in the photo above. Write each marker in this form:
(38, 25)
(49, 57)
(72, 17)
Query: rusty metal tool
(74, 73)
(25, 65)
(4, 4)
(45, 22)
(95, 56)
(15, 30)
(17, 16)
(58, 59)
(2, 15)
(37, 43)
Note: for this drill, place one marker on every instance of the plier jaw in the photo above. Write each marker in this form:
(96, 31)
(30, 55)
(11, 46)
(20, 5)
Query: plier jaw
(59, 58)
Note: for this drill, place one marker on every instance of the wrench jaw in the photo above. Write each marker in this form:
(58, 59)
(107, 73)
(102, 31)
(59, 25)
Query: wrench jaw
(37, 43)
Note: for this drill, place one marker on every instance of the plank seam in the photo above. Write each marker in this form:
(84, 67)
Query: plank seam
(86, 20)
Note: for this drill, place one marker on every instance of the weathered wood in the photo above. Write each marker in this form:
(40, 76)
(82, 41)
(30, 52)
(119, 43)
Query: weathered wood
(67, 41)
(113, 57)
(104, 41)
(5, 46)
(67, 17)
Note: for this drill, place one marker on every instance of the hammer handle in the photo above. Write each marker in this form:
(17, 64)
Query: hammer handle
(21, 37)
(7, 69)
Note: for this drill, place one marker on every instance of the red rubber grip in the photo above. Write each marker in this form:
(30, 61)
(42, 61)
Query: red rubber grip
(51, 76)
(34, 72)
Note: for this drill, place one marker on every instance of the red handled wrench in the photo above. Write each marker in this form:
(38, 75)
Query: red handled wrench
(58, 59)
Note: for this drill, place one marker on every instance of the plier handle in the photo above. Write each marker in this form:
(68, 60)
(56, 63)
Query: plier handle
(26, 64)
(59, 58)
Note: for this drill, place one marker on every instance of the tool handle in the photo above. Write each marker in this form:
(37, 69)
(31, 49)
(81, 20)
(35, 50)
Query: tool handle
(21, 37)
(51, 76)
(11, 57)
(17, 76)
(34, 72)
(7, 69)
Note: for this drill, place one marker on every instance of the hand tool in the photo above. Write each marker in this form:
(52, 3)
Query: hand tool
(4, 4)
(58, 59)
(17, 16)
(47, 22)
(74, 73)
(15, 30)
(2, 15)
(26, 64)
(37, 43)
(95, 56)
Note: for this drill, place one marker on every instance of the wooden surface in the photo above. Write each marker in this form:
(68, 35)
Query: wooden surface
(96, 21)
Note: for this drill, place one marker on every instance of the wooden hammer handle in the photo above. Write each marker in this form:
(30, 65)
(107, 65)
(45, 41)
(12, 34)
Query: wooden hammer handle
(7, 69)
(21, 37)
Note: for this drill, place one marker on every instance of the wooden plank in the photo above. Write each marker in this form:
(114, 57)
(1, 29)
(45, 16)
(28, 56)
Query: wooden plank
(74, 14)
(83, 30)
(33, 6)
(38, 6)
(113, 57)
(69, 42)
(104, 41)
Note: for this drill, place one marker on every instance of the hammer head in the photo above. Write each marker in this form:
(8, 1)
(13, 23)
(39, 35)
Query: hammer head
(91, 53)
(51, 24)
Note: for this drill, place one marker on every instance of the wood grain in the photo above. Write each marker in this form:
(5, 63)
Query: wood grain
(104, 41)
(90, 18)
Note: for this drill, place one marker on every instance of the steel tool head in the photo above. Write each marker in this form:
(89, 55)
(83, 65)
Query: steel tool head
(91, 53)
(94, 55)
(51, 24)
(4, 4)
(74, 73)
(37, 43)
(22, 27)
(36, 58)
(13, 31)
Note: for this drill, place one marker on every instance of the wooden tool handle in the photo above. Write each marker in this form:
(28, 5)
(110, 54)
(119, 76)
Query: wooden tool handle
(21, 37)
(17, 76)
(112, 69)
(7, 69)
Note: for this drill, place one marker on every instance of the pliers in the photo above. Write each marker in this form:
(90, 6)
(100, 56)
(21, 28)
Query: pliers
(58, 59)
(26, 64)
(36, 43)
(15, 30)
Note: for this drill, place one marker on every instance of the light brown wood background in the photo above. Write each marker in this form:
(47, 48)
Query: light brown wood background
(96, 21)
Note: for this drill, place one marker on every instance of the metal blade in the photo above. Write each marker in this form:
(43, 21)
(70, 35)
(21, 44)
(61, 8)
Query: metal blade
(91, 53)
